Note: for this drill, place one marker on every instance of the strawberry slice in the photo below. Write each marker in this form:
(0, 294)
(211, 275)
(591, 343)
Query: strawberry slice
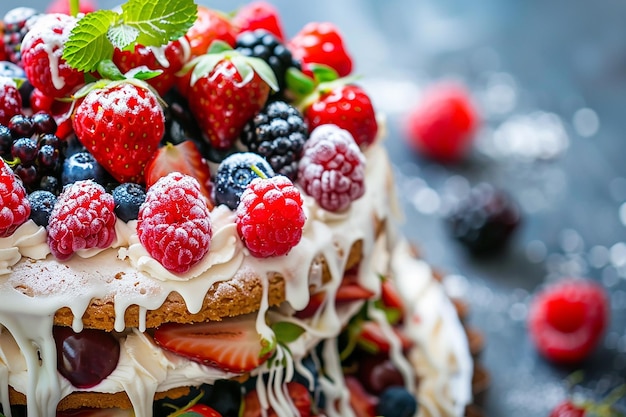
(298, 393)
(362, 403)
(233, 344)
(373, 339)
(346, 293)
(184, 158)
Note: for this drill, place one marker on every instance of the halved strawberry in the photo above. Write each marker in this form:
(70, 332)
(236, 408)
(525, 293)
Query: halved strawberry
(233, 344)
(362, 403)
(298, 393)
(372, 338)
(184, 158)
(346, 293)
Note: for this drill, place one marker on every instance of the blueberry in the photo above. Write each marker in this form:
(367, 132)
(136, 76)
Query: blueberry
(82, 166)
(396, 402)
(41, 205)
(128, 197)
(235, 173)
(11, 70)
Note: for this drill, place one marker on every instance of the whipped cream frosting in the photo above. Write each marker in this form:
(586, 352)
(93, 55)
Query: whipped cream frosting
(33, 286)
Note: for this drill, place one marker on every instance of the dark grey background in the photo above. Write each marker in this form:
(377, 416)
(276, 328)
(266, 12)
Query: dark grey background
(552, 72)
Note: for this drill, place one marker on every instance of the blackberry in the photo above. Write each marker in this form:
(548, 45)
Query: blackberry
(262, 44)
(17, 22)
(128, 197)
(278, 134)
(41, 205)
(235, 173)
(485, 220)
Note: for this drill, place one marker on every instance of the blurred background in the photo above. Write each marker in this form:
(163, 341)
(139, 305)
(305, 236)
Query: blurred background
(549, 80)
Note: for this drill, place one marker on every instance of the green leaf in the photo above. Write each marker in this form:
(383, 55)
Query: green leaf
(286, 332)
(123, 36)
(159, 22)
(88, 44)
(264, 71)
(323, 73)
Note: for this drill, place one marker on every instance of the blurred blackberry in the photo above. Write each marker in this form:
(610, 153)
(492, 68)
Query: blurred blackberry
(278, 134)
(180, 125)
(484, 221)
(17, 22)
(262, 44)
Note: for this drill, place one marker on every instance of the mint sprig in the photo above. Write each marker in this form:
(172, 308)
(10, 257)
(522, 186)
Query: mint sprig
(148, 23)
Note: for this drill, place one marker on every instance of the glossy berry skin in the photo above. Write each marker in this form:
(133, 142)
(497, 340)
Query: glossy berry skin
(321, 43)
(567, 320)
(484, 221)
(346, 106)
(235, 173)
(332, 169)
(44, 65)
(82, 166)
(83, 218)
(567, 409)
(21, 126)
(278, 134)
(270, 217)
(25, 149)
(442, 125)
(85, 358)
(174, 224)
(210, 25)
(121, 125)
(128, 198)
(10, 100)
(6, 142)
(259, 15)
(14, 207)
(396, 402)
(41, 204)
(44, 123)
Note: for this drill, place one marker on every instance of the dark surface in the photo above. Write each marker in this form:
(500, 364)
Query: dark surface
(533, 65)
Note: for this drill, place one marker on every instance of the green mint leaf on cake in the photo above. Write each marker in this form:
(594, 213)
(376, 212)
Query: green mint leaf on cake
(148, 23)
(286, 332)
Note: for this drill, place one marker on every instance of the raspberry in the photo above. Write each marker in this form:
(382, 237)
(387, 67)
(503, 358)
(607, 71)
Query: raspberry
(15, 208)
(332, 169)
(174, 224)
(270, 217)
(441, 127)
(278, 134)
(567, 320)
(10, 100)
(82, 218)
(484, 221)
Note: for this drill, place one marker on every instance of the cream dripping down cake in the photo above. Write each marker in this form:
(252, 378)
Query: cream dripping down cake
(198, 218)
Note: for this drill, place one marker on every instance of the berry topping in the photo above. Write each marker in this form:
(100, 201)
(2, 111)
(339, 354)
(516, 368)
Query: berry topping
(270, 217)
(16, 23)
(121, 125)
(362, 403)
(332, 169)
(174, 223)
(278, 134)
(442, 125)
(82, 166)
(296, 392)
(568, 319)
(233, 344)
(210, 25)
(41, 204)
(83, 218)
(234, 174)
(262, 44)
(42, 56)
(10, 100)
(396, 402)
(128, 197)
(346, 106)
(321, 43)
(485, 220)
(15, 208)
(259, 15)
(85, 358)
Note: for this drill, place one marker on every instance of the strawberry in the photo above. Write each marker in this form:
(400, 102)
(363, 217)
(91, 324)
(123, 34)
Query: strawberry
(259, 15)
(345, 105)
(233, 344)
(210, 25)
(226, 90)
(298, 393)
(362, 403)
(60, 110)
(347, 292)
(169, 59)
(442, 125)
(568, 319)
(42, 50)
(199, 410)
(184, 158)
(372, 338)
(121, 124)
(321, 43)
(567, 409)
(10, 100)
(390, 297)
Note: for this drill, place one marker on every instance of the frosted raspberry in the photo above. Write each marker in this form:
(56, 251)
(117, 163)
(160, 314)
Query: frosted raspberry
(332, 169)
(82, 218)
(174, 222)
(15, 208)
(270, 217)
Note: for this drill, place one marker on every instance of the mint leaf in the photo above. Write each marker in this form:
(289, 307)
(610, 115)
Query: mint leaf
(88, 44)
(286, 332)
(158, 22)
(123, 36)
